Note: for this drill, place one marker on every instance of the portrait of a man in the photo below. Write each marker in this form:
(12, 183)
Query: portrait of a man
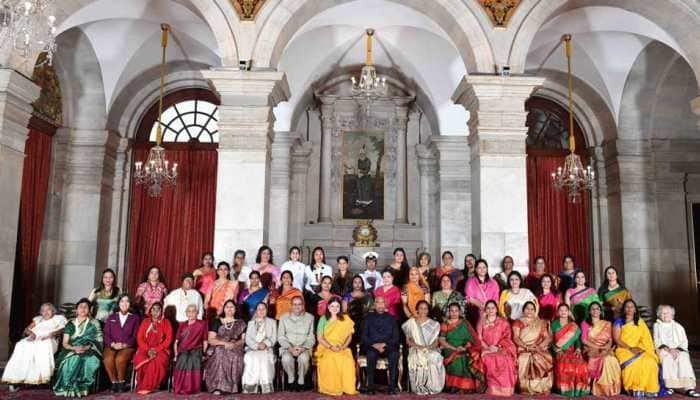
(363, 176)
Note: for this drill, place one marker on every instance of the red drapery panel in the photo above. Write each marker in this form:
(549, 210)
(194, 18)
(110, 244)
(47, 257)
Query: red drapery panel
(555, 226)
(35, 185)
(174, 230)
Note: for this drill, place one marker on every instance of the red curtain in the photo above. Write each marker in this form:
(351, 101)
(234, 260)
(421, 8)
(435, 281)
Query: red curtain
(174, 230)
(555, 226)
(35, 185)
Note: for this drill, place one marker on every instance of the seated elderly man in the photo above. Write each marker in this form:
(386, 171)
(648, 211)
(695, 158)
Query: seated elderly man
(295, 335)
(672, 345)
(380, 337)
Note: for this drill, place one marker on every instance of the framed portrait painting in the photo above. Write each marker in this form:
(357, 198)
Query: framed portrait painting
(363, 174)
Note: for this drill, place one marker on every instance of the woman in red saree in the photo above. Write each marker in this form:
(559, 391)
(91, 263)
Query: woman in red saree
(535, 364)
(497, 352)
(603, 368)
(570, 369)
(461, 350)
(190, 345)
(152, 357)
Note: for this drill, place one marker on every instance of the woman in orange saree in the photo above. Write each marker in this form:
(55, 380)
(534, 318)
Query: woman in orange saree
(570, 370)
(603, 367)
(287, 292)
(414, 291)
(531, 336)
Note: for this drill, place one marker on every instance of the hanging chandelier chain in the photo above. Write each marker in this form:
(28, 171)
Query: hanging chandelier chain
(370, 86)
(573, 177)
(156, 171)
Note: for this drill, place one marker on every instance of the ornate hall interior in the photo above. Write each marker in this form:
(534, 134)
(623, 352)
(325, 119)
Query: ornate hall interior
(276, 143)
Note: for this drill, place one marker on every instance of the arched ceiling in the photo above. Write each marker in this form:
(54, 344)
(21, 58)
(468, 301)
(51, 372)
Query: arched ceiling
(126, 38)
(405, 40)
(607, 41)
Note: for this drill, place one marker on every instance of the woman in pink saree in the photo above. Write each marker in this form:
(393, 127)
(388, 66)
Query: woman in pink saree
(479, 289)
(498, 352)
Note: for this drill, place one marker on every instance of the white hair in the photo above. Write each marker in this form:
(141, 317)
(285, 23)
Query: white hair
(196, 309)
(661, 308)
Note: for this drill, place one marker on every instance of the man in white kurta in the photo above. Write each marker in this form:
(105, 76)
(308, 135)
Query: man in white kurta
(183, 297)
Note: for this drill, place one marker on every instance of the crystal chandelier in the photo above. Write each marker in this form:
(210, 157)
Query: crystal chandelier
(28, 27)
(156, 171)
(573, 177)
(370, 86)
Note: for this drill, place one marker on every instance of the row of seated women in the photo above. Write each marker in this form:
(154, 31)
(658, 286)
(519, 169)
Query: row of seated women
(530, 353)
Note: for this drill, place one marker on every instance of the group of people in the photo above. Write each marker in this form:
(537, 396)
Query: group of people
(459, 330)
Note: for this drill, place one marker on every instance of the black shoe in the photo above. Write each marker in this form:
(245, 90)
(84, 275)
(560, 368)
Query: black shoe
(393, 392)
(363, 389)
(115, 387)
(125, 387)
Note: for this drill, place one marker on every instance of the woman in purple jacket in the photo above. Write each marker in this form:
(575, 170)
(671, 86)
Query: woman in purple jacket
(120, 342)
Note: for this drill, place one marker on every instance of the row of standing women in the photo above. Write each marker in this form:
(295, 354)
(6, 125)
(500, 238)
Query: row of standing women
(495, 334)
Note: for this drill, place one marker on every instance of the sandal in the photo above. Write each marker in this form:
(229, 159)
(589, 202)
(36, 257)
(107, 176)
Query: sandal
(692, 393)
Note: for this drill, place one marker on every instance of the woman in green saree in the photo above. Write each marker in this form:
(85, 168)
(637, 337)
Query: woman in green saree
(81, 355)
(461, 349)
(613, 294)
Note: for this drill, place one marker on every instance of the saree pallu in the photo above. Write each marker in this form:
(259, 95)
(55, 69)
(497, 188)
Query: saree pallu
(510, 305)
(580, 300)
(251, 300)
(482, 292)
(548, 306)
(321, 304)
(218, 296)
(613, 301)
(640, 372)
(500, 366)
(603, 367)
(150, 372)
(535, 368)
(426, 371)
(336, 370)
(205, 283)
(187, 375)
(75, 374)
(283, 303)
(415, 294)
(570, 370)
(464, 370)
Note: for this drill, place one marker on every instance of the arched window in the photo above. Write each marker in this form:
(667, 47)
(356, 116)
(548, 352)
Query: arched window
(189, 121)
(189, 116)
(548, 129)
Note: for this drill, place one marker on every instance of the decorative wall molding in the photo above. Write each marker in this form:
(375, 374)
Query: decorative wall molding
(500, 11)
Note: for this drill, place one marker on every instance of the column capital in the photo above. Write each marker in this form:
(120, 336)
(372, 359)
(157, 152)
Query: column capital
(248, 88)
(17, 92)
(489, 91)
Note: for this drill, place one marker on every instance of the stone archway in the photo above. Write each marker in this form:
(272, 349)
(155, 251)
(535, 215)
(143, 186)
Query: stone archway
(469, 37)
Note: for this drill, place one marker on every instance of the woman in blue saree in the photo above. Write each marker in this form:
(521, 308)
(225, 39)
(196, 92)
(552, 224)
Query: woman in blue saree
(253, 295)
(81, 355)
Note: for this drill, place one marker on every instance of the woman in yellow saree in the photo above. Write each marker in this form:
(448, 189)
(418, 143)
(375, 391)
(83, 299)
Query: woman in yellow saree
(336, 367)
(535, 365)
(636, 353)
(603, 368)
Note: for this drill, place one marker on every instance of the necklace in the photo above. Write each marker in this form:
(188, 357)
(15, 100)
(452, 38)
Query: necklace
(229, 325)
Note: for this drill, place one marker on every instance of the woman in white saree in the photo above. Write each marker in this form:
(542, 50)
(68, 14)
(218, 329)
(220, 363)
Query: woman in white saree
(32, 362)
(425, 368)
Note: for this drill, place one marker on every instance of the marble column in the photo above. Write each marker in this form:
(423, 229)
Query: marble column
(497, 133)
(301, 162)
(16, 95)
(86, 210)
(695, 107)
(116, 258)
(243, 181)
(455, 198)
(280, 170)
(327, 126)
(401, 130)
(428, 169)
